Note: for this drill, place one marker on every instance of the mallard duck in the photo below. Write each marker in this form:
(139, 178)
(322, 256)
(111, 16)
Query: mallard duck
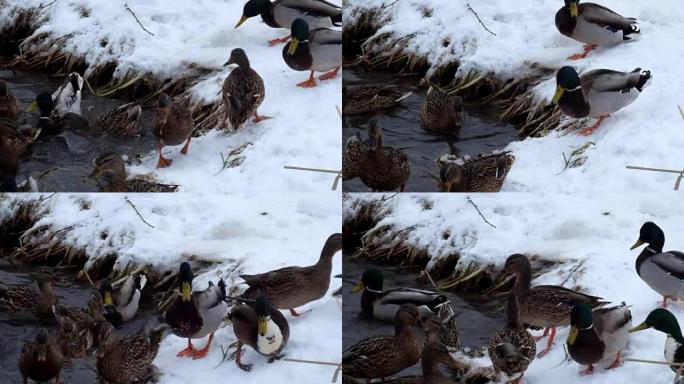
(598, 335)
(442, 332)
(441, 112)
(383, 356)
(67, 97)
(512, 349)
(433, 356)
(53, 122)
(483, 174)
(41, 360)
(124, 298)
(75, 340)
(359, 99)
(316, 50)
(380, 168)
(292, 287)
(20, 139)
(664, 321)
(194, 315)
(123, 120)
(281, 14)
(260, 326)
(546, 306)
(597, 93)
(9, 104)
(9, 161)
(78, 315)
(593, 25)
(27, 298)
(172, 126)
(662, 271)
(110, 173)
(383, 305)
(243, 91)
(123, 360)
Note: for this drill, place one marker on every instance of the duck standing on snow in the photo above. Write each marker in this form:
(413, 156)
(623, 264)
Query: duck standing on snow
(383, 305)
(281, 14)
(662, 271)
(593, 25)
(194, 315)
(664, 321)
(110, 173)
(441, 112)
(9, 104)
(484, 174)
(172, 126)
(316, 50)
(599, 335)
(261, 327)
(360, 99)
(597, 93)
(243, 91)
(41, 360)
(292, 287)
(123, 300)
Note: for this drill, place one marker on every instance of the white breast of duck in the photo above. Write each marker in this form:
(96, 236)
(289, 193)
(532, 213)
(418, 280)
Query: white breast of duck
(212, 308)
(272, 341)
(671, 347)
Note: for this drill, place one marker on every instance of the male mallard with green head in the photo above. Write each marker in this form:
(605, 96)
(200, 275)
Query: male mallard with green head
(662, 271)
(41, 360)
(27, 298)
(360, 99)
(593, 25)
(545, 306)
(110, 173)
(123, 120)
(9, 104)
(51, 121)
(599, 335)
(194, 315)
(124, 299)
(441, 112)
(483, 174)
(664, 321)
(260, 326)
(281, 14)
(172, 126)
(123, 360)
(243, 91)
(315, 50)
(597, 93)
(383, 305)
(383, 356)
(292, 287)
(512, 349)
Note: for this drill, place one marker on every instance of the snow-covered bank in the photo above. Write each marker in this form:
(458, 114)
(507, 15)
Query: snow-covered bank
(194, 39)
(590, 236)
(236, 234)
(527, 43)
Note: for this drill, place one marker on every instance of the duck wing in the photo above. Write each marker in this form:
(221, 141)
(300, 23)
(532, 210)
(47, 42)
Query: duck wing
(209, 298)
(605, 17)
(671, 262)
(368, 348)
(317, 8)
(410, 296)
(606, 80)
(325, 36)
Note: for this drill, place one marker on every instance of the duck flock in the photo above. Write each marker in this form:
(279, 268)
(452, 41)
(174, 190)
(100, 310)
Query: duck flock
(596, 93)
(255, 317)
(313, 45)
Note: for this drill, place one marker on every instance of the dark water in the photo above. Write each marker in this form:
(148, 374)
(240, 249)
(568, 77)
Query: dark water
(16, 328)
(482, 131)
(477, 320)
(65, 160)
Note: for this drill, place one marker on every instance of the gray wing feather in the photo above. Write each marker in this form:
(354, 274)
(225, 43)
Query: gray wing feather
(605, 17)
(606, 80)
(313, 7)
(325, 36)
(671, 262)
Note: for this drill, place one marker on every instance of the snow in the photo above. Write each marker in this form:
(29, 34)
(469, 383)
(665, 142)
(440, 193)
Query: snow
(304, 131)
(592, 234)
(257, 233)
(647, 133)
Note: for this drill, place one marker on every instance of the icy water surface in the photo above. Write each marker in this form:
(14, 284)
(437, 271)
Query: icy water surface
(482, 131)
(477, 320)
(16, 328)
(62, 162)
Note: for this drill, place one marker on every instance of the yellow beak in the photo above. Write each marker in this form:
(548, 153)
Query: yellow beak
(242, 20)
(572, 336)
(186, 292)
(637, 244)
(639, 327)
(358, 287)
(293, 46)
(32, 108)
(574, 10)
(558, 94)
(108, 298)
(262, 325)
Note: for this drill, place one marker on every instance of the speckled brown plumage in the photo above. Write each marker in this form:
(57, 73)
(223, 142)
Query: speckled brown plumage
(41, 359)
(120, 121)
(19, 138)
(79, 327)
(441, 112)
(484, 174)
(359, 99)
(9, 105)
(110, 173)
(30, 298)
(173, 125)
(243, 91)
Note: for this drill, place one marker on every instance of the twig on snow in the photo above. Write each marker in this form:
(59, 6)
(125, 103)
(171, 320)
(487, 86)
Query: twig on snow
(389, 5)
(337, 173)
(478, 19)
(337, 371)
(681, 111)
(575, 159)
(479, 212)
(136, 19)
(235, 162)
(679, 173)
(138, 213)
(41, 6)
(574, 270)
(338, 111)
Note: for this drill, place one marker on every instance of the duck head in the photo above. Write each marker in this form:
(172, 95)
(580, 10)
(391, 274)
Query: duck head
(452, 177)
(652, 235)
(374, 134)
(407, 316)
(580, 320)
(164, 109)
(353, 152)
(239, 57)
(41, 344)
(253, 8)
(42, 103)
(106, 292)
(567, 79)
(371, 280)
(185, 276)
(263, 310)
(573, 6)
(300, 33)
(664, 321)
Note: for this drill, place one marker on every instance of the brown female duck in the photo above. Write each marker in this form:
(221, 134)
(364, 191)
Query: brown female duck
(292, 287)
(243, 91)
(359, 99)
(18, 138)
(9, 162)
(260, 326)
(27, 298)
(9, 104)
(433, 356)
(123, 120)
(383, 356)
(79, 327)
(545, 306)
(441, 112)
(173, 126)
(41, 360)
(110, 174)
(484, 174)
